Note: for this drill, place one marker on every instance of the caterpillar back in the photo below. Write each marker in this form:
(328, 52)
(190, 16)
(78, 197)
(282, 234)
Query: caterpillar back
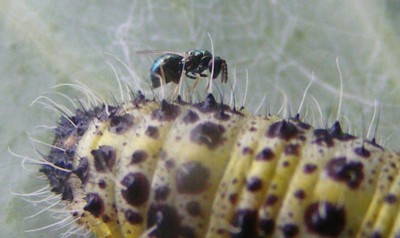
(147, 168)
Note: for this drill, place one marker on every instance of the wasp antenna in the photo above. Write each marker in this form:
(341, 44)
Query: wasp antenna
(224, 71)
(159, 52)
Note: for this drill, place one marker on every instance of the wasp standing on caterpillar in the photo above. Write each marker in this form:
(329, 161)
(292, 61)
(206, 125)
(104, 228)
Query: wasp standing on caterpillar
(149, 168)
(192, 64)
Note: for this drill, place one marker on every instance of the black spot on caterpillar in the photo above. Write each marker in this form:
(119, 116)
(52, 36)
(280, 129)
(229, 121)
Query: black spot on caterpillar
(178, 169)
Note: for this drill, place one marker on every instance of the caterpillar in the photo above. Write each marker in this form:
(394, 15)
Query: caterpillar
(169, 169)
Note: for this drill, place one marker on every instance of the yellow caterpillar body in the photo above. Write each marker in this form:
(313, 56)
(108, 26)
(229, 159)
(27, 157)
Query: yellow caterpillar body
(181, 170)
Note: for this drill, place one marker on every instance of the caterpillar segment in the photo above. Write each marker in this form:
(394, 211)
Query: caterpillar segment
(178, 170)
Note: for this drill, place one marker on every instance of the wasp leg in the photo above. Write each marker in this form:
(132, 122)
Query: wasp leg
(191, 76)
(194, 85)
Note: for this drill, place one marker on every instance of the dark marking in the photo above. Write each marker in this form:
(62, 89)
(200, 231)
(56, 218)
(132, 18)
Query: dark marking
(137, 189)
(376, 234)
(300, 194)
(102, 184)
(138, 156)
(208, 105)
(325, 219)
(233, 198)
(220, 231)
(166, 220)
(267, 226)
(290, 230)
(247, 151)
(245, 220)
(120, 124)
(283, 129)
(266, 155)
(253, 129)
(152, 131)
(322, 137)
(299, 123)
(65, 131)
(82, 170)
(271, 200)
(133, 218)
(106, 218)
(67, 193)
(192, 178)
(222, 115)
(285, 164)
(254, 184)
(161, 193)
(390, 198)
(193, 208)
(138, 98)
(209, 134)
(104, 158)
(180, 101)
(190, 117)
(169, 164)
(361, 151)
(350, 172)
(292, 149)
(187, 232)
(167, 112)
(336, 132)
(94, 204)
(309, 168)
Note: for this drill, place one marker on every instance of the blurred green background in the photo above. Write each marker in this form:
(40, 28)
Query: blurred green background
(280, 45)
